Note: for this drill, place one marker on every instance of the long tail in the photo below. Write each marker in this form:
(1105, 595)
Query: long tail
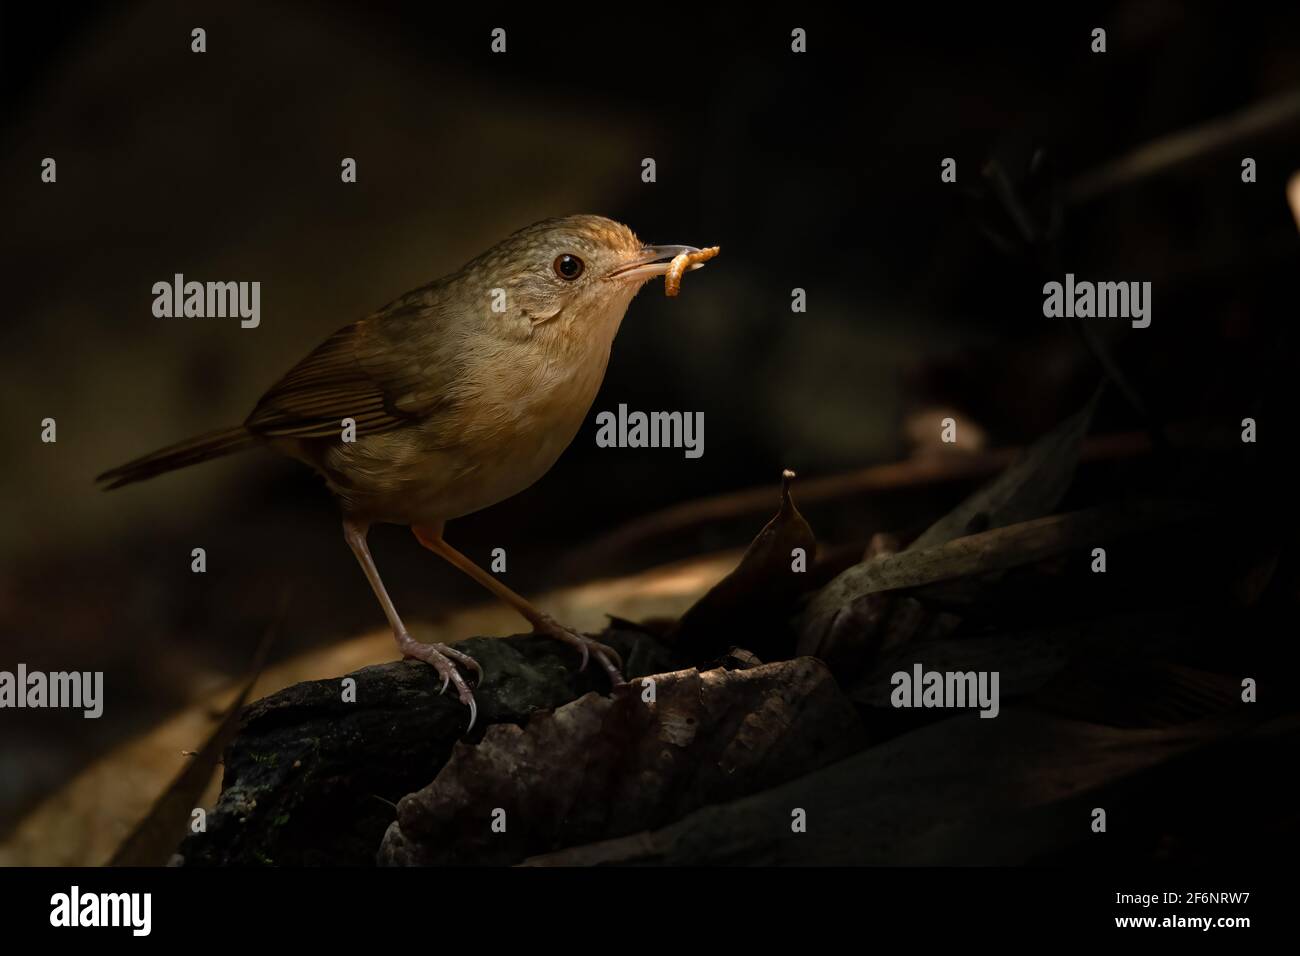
(225, 441)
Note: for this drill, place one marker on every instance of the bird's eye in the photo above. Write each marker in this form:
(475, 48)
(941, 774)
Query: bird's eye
(568, 267)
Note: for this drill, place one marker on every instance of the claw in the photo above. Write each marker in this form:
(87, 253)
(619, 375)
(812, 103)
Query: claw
(615, 676)
(473, 715)
(465, 661)
(477, 668)
(602, 652)
(446, 679)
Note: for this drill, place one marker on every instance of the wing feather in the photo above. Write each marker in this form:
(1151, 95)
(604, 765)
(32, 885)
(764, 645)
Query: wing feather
(367, 371)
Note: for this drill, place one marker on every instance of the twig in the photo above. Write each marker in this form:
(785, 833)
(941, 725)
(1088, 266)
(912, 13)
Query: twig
(1161, 154)
(912, 473)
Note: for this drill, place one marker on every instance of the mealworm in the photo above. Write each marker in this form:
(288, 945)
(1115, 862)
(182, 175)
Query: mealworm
(677, 268)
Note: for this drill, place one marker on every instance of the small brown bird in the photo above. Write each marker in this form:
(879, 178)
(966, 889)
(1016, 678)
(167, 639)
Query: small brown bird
(463, 393)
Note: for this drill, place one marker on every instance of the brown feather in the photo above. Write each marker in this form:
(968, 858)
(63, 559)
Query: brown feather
(192, 451)
(359, 372)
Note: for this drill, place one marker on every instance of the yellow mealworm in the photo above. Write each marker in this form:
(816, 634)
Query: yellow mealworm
(677, 268)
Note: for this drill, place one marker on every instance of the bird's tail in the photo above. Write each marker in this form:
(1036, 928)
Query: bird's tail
(224, 441)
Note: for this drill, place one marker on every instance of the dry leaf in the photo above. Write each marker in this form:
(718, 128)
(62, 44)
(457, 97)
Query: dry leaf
(963, 791)
(750, 605)
(996, 550)
(851, 633)
(603, 766)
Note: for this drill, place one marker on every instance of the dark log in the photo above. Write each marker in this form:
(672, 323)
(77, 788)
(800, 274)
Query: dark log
(311, 779)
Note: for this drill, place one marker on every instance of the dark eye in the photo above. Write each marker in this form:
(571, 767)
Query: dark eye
(568, 267)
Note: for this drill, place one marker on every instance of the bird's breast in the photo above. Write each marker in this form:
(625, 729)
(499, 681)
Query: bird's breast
(508, 424)
(521, 420)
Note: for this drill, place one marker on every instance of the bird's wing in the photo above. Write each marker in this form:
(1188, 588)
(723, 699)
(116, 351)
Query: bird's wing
(383, 371)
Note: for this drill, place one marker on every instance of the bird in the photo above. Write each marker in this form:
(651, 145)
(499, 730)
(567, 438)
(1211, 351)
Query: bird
(455, 396)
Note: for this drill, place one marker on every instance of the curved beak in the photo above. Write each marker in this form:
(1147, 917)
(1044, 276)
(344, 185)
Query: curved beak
(651, 261)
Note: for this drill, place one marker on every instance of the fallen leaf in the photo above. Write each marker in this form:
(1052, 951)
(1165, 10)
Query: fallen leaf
(970, 791)
(838, 608)
(863, 626)
(604, 766)
(750, 605)
(1030, 488)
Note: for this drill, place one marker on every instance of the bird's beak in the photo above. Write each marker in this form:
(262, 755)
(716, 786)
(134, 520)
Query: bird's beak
(649, 262)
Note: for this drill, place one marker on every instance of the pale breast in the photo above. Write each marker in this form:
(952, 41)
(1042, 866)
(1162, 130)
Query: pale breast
(508, 426)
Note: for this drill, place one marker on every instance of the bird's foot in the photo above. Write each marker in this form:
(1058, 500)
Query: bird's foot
(608, 657)
(440, 657)
(464, 660)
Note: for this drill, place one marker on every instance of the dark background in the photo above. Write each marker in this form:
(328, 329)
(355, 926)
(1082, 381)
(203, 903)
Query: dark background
(818, 170)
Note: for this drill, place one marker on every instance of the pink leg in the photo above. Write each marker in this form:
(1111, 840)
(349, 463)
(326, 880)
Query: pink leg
(354, 532)
(431, 537)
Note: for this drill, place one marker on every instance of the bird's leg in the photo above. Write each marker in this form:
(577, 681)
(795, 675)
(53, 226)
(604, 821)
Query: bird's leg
(431, 537)
(438, 655)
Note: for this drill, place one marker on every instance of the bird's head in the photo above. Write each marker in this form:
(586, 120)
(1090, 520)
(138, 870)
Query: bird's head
(574, 275)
